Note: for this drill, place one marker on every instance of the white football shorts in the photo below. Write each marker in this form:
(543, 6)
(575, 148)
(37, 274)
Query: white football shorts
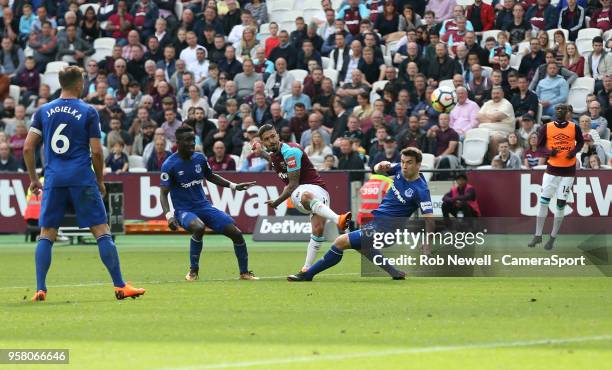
(316, 191)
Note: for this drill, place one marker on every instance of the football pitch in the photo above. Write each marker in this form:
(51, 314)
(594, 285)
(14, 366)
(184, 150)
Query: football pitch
(339, 321)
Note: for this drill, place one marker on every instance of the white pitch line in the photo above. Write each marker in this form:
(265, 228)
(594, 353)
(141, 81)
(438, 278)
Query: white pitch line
(395, 352)
(164, 282)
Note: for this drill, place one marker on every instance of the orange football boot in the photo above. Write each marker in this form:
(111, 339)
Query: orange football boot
(128, 291)
(41, 295)
(344, 220)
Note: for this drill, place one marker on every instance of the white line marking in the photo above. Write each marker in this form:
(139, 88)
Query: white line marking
(394, 352)
(162, 282)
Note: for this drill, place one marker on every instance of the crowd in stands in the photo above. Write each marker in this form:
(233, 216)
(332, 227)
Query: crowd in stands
(350, 81)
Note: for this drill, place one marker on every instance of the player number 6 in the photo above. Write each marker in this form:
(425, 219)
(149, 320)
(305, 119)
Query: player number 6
(59, 137)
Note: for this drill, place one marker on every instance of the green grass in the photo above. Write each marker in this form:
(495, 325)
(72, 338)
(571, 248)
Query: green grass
(339, 321)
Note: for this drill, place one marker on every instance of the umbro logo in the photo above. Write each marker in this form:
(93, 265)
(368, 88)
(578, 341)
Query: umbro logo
(561, 137)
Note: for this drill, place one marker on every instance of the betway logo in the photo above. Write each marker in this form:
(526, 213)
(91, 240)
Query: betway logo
(285, 227)
(8, 190)
(251, 200)
(585, 187)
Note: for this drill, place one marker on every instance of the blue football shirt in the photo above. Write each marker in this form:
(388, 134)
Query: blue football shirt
(185, 179)
(404, 197)
(66, 125)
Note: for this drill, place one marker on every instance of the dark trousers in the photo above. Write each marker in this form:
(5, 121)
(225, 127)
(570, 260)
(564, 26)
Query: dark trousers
(449, 208)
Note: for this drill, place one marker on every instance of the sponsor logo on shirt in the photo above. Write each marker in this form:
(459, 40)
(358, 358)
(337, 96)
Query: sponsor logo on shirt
(291, 162)
(198, 168)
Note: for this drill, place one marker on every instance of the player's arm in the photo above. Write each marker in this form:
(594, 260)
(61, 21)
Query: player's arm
(294, 182)
(97, 159)
(542, 142)
(29, 157)
(164, 191)
(579, 143)
(258, 149)
(220, 181)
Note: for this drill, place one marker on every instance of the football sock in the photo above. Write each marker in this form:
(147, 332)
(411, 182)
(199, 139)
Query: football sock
(242, 256)
(541, 217)
(313, 248)
(43, 261)
(108, 254)
(195, 249)
(319, 208)
(557, 221)
(370, 253)
(331, 258)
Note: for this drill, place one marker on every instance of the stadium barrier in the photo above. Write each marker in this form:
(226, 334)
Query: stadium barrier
(500, 193)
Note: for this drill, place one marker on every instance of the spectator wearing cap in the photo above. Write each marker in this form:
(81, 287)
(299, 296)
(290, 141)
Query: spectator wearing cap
(464, 115)
(284, 50)
(591, 148)
(389, 152)
(144, 137)
(280, 82)
(527, 128)
(460, 199)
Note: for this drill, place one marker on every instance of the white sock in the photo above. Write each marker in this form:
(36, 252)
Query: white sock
(319, 208)
(558, 220)
(313, 248)
(541, 217)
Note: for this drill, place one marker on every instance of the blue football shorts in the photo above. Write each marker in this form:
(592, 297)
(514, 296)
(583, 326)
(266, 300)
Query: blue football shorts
(211, 216)
(86, 201)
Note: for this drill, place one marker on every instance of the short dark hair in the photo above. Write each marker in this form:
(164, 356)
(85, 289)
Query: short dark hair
(265, 128)
(598, 39)
(70, 77)
(414, 153)
(184, 129)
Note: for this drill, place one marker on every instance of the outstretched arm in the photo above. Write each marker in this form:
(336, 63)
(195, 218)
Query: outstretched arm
(220, 181)
(294, 182)
(382, 168)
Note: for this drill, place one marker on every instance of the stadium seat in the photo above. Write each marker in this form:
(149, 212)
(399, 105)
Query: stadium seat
(280, 5)
(336, 4)
(488, 70)
(465, 3)
(287, 25)
(551, 35)
(298, 74)
(136, 161)
(487, 34)
(99, 55)
(584, 83)
(475, 146)
(178, 9)
(539, 167)
(584, 45)
(55, 67)
(325, 62)
(606, 134)
(485, 167)
(281, 15)
(84, 7)
(104, 42)
(137, 170)
(391, 48)
(607, 35)
(105, 152)
(331, 74)
(428, 163)
(15, 93)
(311, 4)
(309, 14)
(51, 79)
(606, 145)
(388, 60)
(539, 114)
(236, 160)
(588, 33)
(214, 121)
(577, 99)
(515, 61)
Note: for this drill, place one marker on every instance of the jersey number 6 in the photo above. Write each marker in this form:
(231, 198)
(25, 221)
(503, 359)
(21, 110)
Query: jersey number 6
(57, 137)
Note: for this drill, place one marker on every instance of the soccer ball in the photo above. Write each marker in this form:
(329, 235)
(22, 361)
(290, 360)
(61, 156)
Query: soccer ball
(443, 99)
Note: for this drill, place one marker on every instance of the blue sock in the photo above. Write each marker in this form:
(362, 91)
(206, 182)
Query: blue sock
(330, 259)
(242, 256)
(195, 249)
(43, 261)
(108, 254)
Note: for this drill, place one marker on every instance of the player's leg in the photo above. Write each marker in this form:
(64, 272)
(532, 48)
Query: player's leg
(549, 187)
(51, 215)
(316, 239)
(314, 199)
(192, 223)
(330, 259)
(90, 212)
(563, 190)
(221, 223)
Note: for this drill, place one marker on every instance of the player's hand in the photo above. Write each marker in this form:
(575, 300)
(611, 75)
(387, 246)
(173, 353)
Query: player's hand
(102, 188)
(245, 185)
(35, 187)
(257, 148)
(571, 155)
(384, 166)
(172, 224)
(271, 204)
(554, 152)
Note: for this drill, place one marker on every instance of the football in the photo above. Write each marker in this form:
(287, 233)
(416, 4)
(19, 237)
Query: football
(443, 99)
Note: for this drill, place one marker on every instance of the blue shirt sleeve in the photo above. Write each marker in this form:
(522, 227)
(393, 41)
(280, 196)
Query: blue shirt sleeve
(395, 169)
(166, 174)
(207, 170)
(425, 203)
(36, 125)
(293, 158)
(93, 122)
